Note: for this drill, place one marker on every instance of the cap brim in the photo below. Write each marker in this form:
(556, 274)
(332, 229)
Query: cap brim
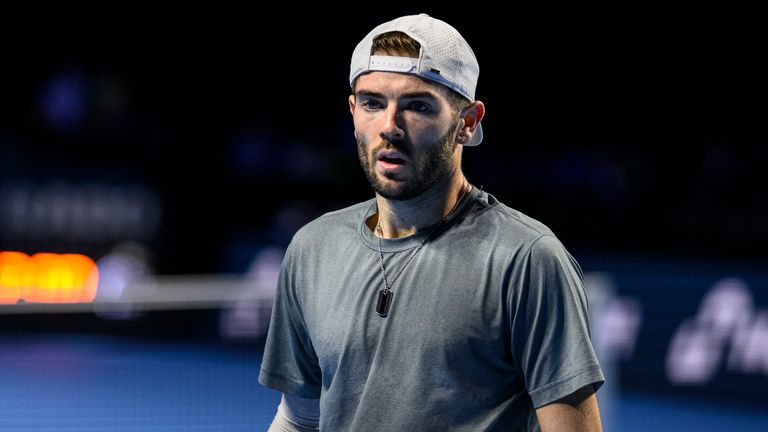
(477, 137)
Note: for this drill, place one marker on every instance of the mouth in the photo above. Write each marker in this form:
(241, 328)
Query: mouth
(391, 160)
(392, 157)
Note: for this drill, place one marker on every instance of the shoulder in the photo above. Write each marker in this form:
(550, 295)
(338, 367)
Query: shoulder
(522, 237)
(334, 223)
(509, 223)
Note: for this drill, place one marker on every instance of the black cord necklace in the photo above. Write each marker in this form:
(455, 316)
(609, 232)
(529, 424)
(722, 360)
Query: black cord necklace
(385, 294)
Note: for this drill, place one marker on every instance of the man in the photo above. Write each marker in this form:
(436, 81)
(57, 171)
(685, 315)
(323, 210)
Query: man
(433, 306)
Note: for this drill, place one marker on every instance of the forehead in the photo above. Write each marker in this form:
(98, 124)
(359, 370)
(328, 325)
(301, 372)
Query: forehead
(397, 84)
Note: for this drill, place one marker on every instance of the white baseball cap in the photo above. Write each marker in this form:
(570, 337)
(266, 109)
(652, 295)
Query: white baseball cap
(445, 57)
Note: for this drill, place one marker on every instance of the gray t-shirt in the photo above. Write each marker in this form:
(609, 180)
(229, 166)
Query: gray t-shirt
(487, 322)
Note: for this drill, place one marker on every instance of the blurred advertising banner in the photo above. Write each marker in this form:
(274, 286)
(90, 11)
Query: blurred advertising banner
(673, 326)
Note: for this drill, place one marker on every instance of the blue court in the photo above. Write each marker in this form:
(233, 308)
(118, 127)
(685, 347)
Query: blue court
(105, 383)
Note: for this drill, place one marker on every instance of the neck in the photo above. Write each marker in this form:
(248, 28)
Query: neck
(403, 218)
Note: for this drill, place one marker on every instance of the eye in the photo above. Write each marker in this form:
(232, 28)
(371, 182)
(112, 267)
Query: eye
(370, 104)
(419, 107)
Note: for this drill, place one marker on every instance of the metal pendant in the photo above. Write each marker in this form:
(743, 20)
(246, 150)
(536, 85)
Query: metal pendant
(383, 302)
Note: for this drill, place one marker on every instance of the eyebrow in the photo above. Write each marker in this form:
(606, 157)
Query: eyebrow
(410, 95)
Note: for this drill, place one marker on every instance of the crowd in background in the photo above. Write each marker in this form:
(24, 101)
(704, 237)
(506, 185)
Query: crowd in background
(206, 135)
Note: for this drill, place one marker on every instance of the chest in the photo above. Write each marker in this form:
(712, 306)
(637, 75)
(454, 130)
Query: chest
(444, 308)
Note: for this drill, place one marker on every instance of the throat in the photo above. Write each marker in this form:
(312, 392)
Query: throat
(396, 220)
(393, 233)
(390, 229)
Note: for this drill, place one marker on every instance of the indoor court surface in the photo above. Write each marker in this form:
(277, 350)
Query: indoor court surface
(85, 382)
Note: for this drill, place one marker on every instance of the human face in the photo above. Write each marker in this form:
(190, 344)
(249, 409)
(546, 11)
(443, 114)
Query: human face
(406, 133)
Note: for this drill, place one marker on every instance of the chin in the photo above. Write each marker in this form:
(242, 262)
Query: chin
(397, 191)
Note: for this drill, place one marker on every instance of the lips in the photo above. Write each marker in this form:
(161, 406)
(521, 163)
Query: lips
(392, 157)
(391, 161)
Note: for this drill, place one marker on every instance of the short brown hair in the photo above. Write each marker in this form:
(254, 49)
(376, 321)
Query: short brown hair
(400, 44)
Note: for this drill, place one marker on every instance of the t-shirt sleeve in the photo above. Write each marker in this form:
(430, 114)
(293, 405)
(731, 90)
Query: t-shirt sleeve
(550, 335)
(289, 364)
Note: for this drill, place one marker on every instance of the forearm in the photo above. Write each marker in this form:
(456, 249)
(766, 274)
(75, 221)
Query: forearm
(295, 414)
(577, 412)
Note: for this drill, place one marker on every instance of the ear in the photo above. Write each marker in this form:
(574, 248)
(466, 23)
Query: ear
(471, 117)
(352, 104)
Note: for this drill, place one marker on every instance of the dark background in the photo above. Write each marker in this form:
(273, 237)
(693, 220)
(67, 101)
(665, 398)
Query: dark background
(203, 134)
(632, 131)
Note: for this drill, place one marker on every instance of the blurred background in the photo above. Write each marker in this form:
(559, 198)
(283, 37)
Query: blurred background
(156, 159)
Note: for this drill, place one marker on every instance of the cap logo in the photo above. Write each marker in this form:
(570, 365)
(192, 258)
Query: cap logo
(393, 64)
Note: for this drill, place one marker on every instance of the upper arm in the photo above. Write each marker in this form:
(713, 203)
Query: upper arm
(549, 327)
(289, 363)
(577, 412)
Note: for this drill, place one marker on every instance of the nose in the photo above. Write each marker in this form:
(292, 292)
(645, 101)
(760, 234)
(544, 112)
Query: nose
(392, 129)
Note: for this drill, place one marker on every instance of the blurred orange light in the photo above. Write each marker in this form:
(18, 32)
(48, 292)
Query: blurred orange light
(47, 278)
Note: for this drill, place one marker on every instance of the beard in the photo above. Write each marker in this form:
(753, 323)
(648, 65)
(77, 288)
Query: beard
(433, 166)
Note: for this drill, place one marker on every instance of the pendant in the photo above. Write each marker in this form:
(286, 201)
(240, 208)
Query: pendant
(384, 301)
